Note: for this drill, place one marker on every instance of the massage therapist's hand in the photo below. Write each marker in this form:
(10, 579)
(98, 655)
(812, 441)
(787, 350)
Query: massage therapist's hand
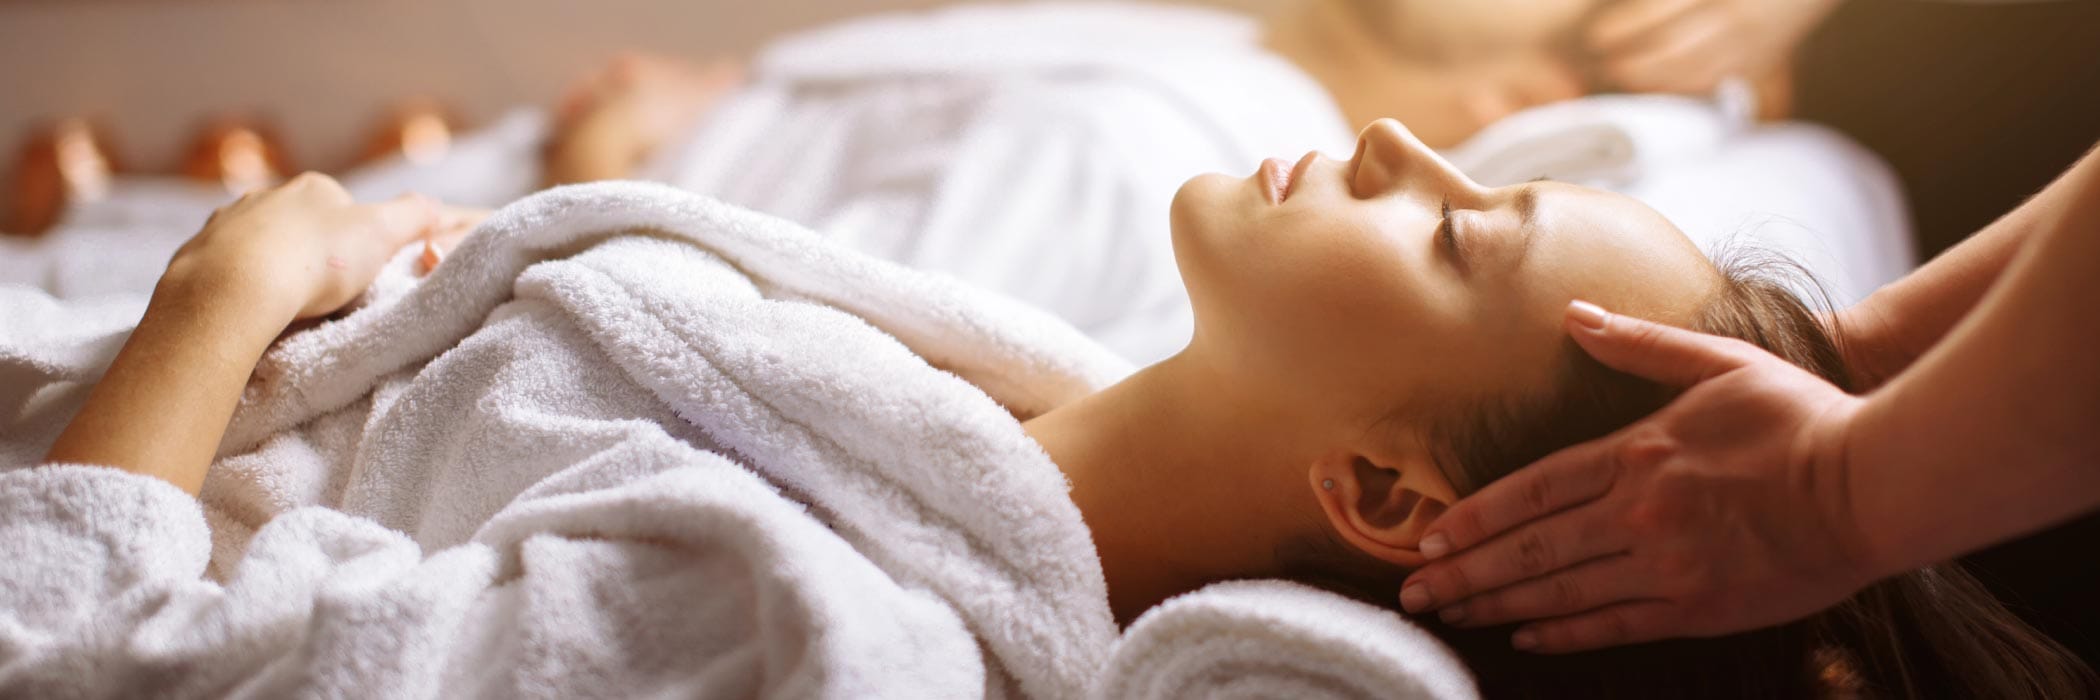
(1723, 512)
(299, 250)
(1690, 46)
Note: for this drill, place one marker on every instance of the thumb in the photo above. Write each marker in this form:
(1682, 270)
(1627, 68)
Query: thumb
(1666, 354)
(403, 219)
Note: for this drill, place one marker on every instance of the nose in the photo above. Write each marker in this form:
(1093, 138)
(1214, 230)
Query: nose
(1389, 159)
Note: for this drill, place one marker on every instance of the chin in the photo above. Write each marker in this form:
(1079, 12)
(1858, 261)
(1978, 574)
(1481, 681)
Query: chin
(1205, 206)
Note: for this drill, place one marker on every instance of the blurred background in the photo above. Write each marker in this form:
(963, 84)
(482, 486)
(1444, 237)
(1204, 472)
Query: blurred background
(1975, 105)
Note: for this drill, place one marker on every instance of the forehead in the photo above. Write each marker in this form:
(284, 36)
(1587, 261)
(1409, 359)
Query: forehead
(1611, 250)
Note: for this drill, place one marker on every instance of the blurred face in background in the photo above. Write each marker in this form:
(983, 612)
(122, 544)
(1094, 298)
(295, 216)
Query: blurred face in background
(1448, 68)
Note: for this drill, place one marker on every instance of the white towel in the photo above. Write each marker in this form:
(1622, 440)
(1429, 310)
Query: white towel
(1276, 639)
(625, 441)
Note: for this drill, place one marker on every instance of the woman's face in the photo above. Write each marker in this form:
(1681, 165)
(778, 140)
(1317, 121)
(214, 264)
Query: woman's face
(1344, 290)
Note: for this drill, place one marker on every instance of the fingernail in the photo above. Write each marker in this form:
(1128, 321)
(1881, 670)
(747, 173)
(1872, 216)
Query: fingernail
(1524, 640)
(432, 255)
(1415, 597)
(1435, 545)
(1453, 615)
(1589, 315)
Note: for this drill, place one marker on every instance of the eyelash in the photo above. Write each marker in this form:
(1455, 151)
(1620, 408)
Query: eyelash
(1444, 233)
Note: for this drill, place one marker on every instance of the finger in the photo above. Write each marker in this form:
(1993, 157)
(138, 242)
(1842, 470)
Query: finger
(454, 223)
(1622, 25)
(325, 188)
(431, 257)
(1610, 626)
(1687, 58)
(1586, 586)
(1539, 547)
(1654, 351)
(1531, 547)
(402, 219)
(1567, 478)
(572, 102)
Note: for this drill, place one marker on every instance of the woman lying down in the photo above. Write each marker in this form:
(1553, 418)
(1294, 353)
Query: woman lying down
(627, 441)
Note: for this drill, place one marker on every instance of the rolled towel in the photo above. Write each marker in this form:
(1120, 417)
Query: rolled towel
(1277, 639)
(1607, 141)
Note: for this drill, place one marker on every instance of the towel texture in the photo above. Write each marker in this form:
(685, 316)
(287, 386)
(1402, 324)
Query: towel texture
(1276, 639)
(625, 441)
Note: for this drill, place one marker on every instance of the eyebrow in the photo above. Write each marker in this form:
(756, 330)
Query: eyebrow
(1527, 206)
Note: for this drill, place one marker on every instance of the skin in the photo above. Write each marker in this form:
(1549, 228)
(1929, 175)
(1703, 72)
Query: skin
(1318, 317)
(608, 124)
(1326, 324)
(1690, 46)
(1763, 494)
(1446, 69)
(276, 256)
(1514, 54)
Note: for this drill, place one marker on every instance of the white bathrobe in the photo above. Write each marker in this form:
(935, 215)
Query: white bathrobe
(625, 442)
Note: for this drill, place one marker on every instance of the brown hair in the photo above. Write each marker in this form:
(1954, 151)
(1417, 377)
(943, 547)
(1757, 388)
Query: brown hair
(1935, 632)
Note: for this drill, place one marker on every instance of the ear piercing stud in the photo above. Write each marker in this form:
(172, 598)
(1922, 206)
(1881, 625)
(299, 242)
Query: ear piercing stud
(1327, 484)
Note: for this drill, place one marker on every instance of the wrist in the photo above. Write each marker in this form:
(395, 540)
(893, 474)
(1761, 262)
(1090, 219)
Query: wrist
(1835, 476)
(1868, 341)
(228, 294)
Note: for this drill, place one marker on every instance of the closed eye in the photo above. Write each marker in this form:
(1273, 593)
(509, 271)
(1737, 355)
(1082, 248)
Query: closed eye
(1447, 235)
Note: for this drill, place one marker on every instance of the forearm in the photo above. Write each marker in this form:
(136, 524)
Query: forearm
(164, 403)
(1897, 324)
(1992, 434)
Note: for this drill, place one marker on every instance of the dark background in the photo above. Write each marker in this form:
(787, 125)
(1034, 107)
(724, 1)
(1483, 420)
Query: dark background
(1977, 106)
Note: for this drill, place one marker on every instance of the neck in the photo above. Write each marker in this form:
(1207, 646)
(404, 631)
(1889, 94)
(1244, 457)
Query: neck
(1168, 468)
(1318, 37)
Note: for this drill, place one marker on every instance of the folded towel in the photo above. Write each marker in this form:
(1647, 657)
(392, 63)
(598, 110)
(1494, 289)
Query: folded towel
(1275, 639)
(1607, 141)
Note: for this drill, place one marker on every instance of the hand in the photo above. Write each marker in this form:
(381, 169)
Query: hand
(1690, 46)
(299, 250)
(1725, 511)
(607, 125)
(454, 223)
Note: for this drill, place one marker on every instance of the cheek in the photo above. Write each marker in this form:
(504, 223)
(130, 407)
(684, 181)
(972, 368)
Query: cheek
(1331, 293)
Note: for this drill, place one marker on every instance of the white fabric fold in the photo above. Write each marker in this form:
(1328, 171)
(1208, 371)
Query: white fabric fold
(626, 440)
(1276, 639)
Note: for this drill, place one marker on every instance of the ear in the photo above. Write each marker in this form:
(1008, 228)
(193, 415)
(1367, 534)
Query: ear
(1381, 504)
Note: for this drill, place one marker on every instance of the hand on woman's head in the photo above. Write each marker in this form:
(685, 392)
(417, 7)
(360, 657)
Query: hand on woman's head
(302, 249)
(1374, 297)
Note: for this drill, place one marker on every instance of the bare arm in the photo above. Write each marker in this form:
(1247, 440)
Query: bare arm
(164, 403)
(2011, 399)
(1764, 494)
(298, 251)
(1894, 326)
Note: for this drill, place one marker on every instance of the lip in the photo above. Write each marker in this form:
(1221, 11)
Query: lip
(1275, 180)
(1297, 174)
